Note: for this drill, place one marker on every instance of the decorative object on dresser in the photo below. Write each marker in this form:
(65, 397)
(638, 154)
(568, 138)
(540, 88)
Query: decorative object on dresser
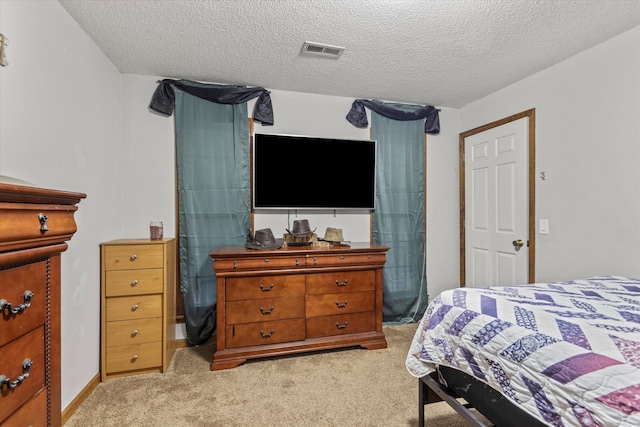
(294, 300)
(138, 306)
(35, 224)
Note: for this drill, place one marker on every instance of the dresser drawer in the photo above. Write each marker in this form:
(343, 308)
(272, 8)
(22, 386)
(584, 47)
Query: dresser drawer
(21, 222)
(254, 310)
(134, 282)
(14, 354)
(340, 303)
(127, 332)
(136, 307)
(32, 414)
(130, 357)
(258, 263)
(347, 259)
(341, 281)
(255, 287)
(325, 326)
(14, 282)
(127, 257)
(261, 333)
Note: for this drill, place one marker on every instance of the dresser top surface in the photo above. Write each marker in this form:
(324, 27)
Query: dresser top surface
(235, 251)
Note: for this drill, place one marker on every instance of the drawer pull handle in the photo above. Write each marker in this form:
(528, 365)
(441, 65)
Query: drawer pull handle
(342, 257)
(266, 260)
(297, 262)
(342, 283)
(134, 357)
(4, 304)
(263, 289)
(265, 312)
(235, 264)
(339, 326)
(43, 223)
(266, 334)
(315, 261)
(133, 257)
(133, 283)
(26, 367)
(134, 307)
(134, 332)
(343, 305)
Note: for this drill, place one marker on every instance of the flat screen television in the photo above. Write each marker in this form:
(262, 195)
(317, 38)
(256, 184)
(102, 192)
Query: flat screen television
(301, 172)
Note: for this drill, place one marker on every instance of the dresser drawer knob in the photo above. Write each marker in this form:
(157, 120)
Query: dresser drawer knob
(342, 257)
(134, 282)
(263, 311)
(134, 307)
(4, 380)
(133, 257)
(43, 223)
(264, 289)
(342, 283)
(134, 332)
(266, 260)
(315, 261)
(339, 326)
(341, 305)
(266, 334)
(5, 305)
(134, 357)
(297, 261)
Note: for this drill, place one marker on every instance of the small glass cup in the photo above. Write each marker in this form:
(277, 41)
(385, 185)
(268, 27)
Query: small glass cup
(155, 229)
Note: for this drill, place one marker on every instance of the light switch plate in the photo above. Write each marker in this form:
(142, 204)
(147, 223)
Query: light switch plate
(544, 226)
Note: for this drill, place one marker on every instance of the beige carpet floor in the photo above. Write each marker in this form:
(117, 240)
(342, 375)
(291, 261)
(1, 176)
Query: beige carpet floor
(352, 387)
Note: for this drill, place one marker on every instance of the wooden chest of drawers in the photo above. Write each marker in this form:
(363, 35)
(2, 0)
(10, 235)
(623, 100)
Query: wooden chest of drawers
(294, 300)
(138, 306)
(35, 223)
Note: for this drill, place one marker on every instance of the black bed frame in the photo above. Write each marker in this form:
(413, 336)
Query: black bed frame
(489, 402)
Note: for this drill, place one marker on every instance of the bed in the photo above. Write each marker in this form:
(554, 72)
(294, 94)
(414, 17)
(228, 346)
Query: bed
(547, 354)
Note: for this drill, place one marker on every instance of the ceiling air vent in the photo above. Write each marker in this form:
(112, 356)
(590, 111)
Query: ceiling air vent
(319, 49)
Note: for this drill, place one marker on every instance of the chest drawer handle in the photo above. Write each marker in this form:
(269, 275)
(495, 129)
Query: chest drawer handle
(133, 283)
(263, 311)
(133, 257)
(266, 334)
(43, 223)
(266, 260)
(342, 283)
(315, 261)
(134, 332)
(342, 257)
(4, 304)
(134, 307)
(26, 367)
(263, 289)
(343, 305)
(134, 357)
(339, 326)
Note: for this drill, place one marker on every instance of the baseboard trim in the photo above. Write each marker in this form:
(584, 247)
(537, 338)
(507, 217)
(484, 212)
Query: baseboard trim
(80, 398)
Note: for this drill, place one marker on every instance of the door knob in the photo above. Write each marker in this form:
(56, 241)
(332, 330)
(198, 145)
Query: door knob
(518, 243)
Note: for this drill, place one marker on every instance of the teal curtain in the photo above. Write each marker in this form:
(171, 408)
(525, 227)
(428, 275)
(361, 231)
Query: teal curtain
(212, 156)
(399, 218)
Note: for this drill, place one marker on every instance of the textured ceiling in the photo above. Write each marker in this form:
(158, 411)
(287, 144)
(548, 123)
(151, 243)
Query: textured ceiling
(440, 52)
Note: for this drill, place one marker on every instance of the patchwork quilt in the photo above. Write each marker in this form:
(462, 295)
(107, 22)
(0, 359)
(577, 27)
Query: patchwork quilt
(568, 353)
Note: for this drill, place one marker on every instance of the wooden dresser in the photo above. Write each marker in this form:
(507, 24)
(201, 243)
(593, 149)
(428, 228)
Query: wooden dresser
(138, 306)
(292, 300)
(35, 223)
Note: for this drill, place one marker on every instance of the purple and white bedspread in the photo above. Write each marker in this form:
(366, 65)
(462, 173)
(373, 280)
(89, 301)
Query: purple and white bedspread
(568, 353)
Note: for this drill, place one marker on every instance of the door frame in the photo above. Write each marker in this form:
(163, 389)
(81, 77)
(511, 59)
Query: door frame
(531, 114)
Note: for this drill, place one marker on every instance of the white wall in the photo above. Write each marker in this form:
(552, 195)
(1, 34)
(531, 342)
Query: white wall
(60, 127)
(588, 146)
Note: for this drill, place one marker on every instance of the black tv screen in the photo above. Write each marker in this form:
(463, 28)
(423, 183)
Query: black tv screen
(300, 172)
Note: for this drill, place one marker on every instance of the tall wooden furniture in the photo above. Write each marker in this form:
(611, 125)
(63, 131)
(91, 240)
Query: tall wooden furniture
(138, 306)
(292, 300)
(35, 223)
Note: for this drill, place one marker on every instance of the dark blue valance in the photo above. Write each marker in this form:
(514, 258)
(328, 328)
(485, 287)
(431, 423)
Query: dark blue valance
(357, 116)
(163, 100)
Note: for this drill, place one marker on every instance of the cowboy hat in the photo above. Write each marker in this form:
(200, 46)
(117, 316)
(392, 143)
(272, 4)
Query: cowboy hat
(263, 239)
(333, 235)
(301, 228)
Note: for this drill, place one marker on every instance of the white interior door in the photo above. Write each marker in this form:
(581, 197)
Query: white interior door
(496, 205)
